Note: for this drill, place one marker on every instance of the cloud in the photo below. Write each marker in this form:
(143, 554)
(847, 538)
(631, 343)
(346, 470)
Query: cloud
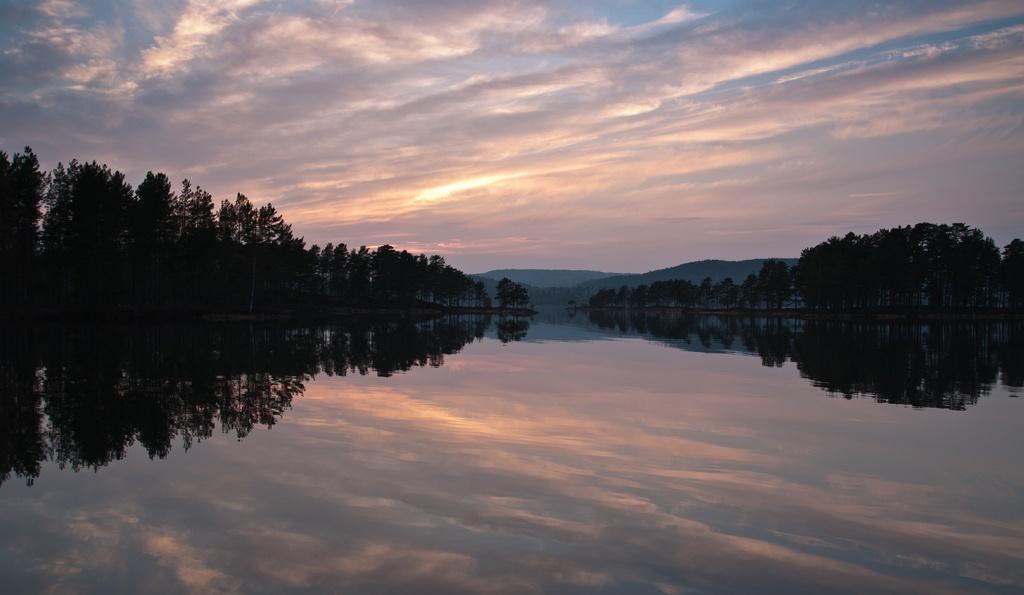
(452, 116)
(199, 21)
(195, 575)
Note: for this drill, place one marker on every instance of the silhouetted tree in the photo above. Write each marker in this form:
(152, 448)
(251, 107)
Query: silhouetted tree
(97, 236)
(152, 239)
(1011, 271)
(480, 296)
(21, 193)
(728, 293)
(520, 296)
(931, 266)
(511, 294)
(194, 263)
(774, 283)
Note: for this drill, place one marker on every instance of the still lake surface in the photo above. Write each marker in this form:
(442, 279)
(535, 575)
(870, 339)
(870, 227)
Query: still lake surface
(594, 453)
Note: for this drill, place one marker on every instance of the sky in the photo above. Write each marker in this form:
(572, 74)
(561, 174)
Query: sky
(615, 135)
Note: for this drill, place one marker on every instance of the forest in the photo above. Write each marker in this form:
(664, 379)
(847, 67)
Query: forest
(81, 239)
(925, 267)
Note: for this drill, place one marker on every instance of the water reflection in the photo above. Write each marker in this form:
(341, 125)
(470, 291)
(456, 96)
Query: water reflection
(102, 389)
(947, 365)
(80, 396)
(512, 329)
(534, 466)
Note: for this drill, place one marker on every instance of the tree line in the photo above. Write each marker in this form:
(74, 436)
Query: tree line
(81, 238)
(770, 288)
(945, 268)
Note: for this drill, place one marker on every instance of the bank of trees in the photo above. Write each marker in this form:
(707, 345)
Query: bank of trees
(770, 288)
(952, 268)
(937, 267)
(511, 294)
(81, 238)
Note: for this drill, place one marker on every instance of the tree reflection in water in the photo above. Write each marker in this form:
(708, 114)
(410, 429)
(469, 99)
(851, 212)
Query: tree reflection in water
(947, 365)
(81, 396)
(512, 329)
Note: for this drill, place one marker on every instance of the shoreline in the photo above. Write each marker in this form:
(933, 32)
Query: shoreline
(810, 314)
(368, 312)
(312, 314)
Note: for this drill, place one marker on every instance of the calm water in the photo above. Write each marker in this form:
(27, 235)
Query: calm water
(591, 454)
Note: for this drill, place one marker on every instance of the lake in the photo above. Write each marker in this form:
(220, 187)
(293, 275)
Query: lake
(592, 453)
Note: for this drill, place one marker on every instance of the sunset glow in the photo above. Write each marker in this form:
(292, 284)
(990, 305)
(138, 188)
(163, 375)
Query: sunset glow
(616, 135)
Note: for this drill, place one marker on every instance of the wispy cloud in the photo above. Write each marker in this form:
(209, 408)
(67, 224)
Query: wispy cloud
(455, 120)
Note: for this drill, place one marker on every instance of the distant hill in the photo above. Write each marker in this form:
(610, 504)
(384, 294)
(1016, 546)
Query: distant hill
(546, 277)
(548, 287)
(690, 271)
(542, 296)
